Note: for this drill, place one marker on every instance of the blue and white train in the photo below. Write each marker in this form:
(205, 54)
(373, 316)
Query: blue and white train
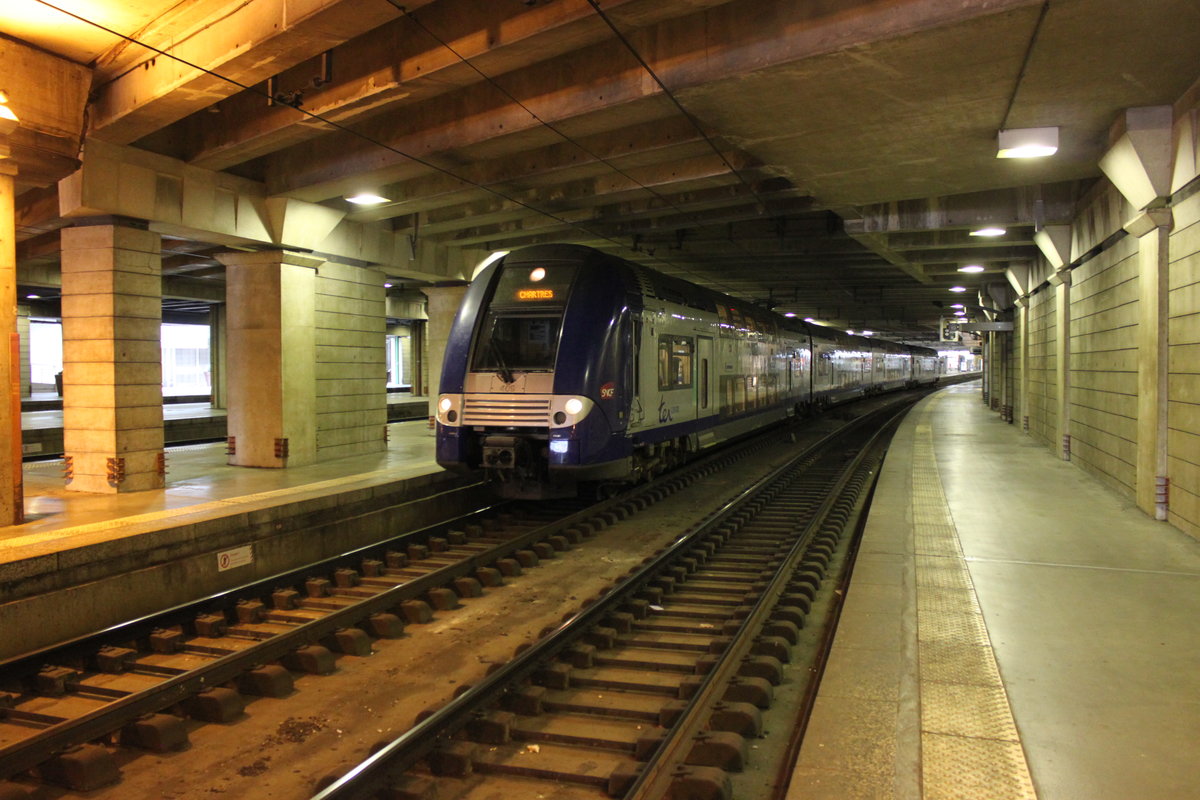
(566, 364)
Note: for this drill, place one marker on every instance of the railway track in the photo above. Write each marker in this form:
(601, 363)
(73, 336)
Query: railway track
(659, 687)
(64, 710)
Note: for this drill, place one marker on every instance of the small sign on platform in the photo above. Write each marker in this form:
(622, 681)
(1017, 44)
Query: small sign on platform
(237, 557)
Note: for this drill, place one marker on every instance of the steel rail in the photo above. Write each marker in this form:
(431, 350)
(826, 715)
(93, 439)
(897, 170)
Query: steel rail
(373, 774)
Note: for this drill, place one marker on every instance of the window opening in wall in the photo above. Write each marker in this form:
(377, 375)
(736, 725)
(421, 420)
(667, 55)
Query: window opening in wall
(45, 353)
(186, 364)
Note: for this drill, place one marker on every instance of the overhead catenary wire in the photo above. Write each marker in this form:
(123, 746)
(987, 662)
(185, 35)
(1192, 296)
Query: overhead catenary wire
(349, 130)
(541, 121)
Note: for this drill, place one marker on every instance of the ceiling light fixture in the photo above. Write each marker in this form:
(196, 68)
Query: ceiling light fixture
(790, 314)
(809, 319)
(957, 305)
(971, 268)
(387, 286)
(960, 313)
(867, 333)
(958, 288)
(989, 232)
(1027, 143)
(8, 117)
(366, 199)
(33, 297)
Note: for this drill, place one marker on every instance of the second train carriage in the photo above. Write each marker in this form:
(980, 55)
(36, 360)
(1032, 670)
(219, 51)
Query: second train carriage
(566, 364)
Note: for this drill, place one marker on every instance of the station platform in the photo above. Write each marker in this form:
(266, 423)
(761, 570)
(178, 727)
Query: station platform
(127, 554)
(1013, 629)
(183, 422)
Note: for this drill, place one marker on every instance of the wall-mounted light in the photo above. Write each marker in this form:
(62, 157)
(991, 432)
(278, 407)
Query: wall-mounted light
(1027, 143)
(958, 288)
(971, 268)
(988, 232)
(366, 199)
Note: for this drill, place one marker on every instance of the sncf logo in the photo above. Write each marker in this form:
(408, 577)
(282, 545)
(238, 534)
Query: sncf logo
(608, 391)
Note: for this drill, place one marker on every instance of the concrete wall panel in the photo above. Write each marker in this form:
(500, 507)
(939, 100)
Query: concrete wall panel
(1105, 299)
(1042, 363)
(1183, 382)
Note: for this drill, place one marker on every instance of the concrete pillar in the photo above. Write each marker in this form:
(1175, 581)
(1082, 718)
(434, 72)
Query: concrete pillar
(112, 358)
(1139, 166)
(216, 353)
(1061, 280)
(1021, 402)
(271, 358)
(1153, 231)
(443, 307)
(12, 503)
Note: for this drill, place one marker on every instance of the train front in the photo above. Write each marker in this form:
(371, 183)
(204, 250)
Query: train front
(535, 383)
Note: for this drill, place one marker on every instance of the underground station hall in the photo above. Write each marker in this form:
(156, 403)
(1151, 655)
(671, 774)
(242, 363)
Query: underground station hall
(564, 399)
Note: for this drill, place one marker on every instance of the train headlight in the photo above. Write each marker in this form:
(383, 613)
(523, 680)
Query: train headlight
(445, 404)
(573, 406)
(449, 408)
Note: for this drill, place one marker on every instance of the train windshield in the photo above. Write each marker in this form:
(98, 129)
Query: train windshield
(526, 343)
(524, 319)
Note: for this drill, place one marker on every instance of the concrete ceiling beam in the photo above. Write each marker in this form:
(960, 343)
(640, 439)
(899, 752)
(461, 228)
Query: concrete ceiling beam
(401, 64)
(246, 42)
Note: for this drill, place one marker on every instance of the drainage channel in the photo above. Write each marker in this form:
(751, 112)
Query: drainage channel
(657, 688)
(64, 709)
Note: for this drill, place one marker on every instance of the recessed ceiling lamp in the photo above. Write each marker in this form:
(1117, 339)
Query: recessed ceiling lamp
(1027, 143)
(365, 199)
(989, 232)
(958, 288)
(971, 268)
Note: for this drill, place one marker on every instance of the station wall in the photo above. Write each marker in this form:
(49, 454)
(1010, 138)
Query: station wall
(1183, 370)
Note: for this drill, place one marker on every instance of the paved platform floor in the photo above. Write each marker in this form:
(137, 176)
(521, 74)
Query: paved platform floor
(1013, 629)
(198, 475)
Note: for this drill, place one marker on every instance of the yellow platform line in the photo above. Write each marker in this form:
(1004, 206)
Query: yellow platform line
(970, 747)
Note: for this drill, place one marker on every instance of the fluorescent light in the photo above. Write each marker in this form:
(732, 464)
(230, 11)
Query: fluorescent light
(850, 332)
(957, 305)
(988, 232)
(1027, 143)
(809, 319)
(387, 286)
(33, 297)
(867, 333)
(365, 199)
(790, 314)
(960, 313)
(971, 268)
(958, 288)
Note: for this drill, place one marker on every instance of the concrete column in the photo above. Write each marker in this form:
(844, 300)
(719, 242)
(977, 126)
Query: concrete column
(1061, 280)
(112, 358)
(271, 358)
(1139, 166)
(12, 503)
(1153, 231)
(216, 353)
(443, 307)
(1021, 404)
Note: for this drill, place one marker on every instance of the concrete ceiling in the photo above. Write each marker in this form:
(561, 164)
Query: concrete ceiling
(826, 158)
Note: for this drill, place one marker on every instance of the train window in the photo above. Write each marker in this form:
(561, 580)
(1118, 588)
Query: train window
(704, 383)
(518, 342)
(675, 361)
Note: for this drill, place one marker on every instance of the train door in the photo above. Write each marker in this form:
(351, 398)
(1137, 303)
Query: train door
(706, 378)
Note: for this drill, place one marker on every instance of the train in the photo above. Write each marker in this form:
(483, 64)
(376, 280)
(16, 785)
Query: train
(568, 366)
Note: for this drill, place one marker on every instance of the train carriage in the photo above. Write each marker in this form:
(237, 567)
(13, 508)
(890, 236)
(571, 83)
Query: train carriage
(566, 364)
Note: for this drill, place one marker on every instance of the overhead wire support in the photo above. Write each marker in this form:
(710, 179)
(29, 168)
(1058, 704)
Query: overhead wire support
(675, 101)
(342, 127)
(548, 125)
